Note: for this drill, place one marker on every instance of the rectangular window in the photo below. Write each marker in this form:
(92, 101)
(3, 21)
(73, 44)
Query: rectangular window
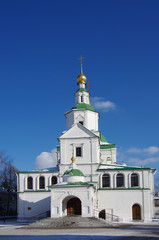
(78, 152)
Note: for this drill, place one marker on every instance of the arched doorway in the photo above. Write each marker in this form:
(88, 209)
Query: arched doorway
(102, 214)
(136, 212)
(74, 207)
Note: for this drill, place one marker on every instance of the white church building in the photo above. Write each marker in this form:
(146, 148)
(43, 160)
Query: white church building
(87, 180)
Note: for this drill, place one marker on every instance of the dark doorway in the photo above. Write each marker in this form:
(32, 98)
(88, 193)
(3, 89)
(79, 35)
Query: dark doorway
(74, 207)
(102, 214)
(53, 180)
(136, 212)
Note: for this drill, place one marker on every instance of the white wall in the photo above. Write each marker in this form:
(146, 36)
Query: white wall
(90, 153)
(39, 202)
(22, 180)
(60, 196)
(89, 118)
(121, 202)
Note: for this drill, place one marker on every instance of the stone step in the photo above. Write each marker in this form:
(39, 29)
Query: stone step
(68, 222)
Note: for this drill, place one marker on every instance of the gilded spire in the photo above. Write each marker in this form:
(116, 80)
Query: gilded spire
(81, 77)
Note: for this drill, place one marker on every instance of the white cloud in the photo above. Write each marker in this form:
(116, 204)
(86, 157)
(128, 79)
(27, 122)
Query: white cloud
(142, 162)
(46, 159)
(150, 150)
(101, 104)
(134, 150)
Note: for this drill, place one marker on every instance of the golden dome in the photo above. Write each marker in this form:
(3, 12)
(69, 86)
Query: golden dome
(81, 77)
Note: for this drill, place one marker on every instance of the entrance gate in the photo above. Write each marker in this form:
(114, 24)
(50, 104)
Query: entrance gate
(74, 207)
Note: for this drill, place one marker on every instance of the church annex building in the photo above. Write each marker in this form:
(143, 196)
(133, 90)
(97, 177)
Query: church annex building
(87, 180)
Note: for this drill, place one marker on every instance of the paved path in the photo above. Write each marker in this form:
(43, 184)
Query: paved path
(9, 231)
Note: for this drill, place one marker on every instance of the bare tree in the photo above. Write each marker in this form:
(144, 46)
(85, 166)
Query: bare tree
(7, 173)
(8, 184)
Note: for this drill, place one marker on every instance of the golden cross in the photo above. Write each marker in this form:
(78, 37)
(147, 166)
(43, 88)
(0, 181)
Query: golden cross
(88, 86)
(81, 58)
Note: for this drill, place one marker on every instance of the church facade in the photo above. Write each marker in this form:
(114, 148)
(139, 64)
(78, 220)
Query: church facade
(87, 180)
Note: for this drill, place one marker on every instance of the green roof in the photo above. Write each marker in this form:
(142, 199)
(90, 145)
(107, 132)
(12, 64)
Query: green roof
(102, 138)
(108, 146)
(34, 191)
(38, 171)
(84, 106)
(74, 172)
(116, 189)
(106, 167)
(58, 148)
(72, 184)
(82, 90)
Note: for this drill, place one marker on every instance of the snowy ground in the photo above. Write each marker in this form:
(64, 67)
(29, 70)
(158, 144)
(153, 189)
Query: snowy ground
(10, 230)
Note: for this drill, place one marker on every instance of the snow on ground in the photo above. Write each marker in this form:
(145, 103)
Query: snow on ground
(11, 230)
(55, 237)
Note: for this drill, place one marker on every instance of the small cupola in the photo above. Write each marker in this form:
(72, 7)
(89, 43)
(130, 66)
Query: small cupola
(73, 174)
(81, 79)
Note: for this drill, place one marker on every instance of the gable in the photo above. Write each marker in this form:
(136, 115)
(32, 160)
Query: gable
(78, 131)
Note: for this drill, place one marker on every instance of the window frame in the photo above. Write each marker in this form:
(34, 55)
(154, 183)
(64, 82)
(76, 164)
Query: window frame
(41, 185)
(120, 177)
(133, 180)
(79, 147)
(30, 183)
(104, 181)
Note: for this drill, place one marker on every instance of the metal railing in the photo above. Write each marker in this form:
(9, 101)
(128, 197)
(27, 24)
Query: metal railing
(107, 216)
(36, 217)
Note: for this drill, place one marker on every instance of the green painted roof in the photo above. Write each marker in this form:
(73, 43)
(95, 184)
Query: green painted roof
(102, 138)
(74, 172)
(82, 90)
(58, 148)
(116, 189)
(84, 106)
(108, 146)
(34, 191)
(38, 171)
(72, 184)
(107, 167)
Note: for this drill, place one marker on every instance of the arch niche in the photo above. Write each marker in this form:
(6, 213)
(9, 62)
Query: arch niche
(102, 214)
(136, 212)
(74, 206)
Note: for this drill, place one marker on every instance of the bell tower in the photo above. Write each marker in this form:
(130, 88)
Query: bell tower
(83, 112)
(81, 95)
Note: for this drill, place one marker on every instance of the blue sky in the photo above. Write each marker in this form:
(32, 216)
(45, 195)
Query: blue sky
(40, 42)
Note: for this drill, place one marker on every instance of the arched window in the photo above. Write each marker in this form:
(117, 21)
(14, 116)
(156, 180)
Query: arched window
(30, 183)
(120, 180)
(41, 182)
(53, 180)
(134, 180)
(105, 180)
(81, 98)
